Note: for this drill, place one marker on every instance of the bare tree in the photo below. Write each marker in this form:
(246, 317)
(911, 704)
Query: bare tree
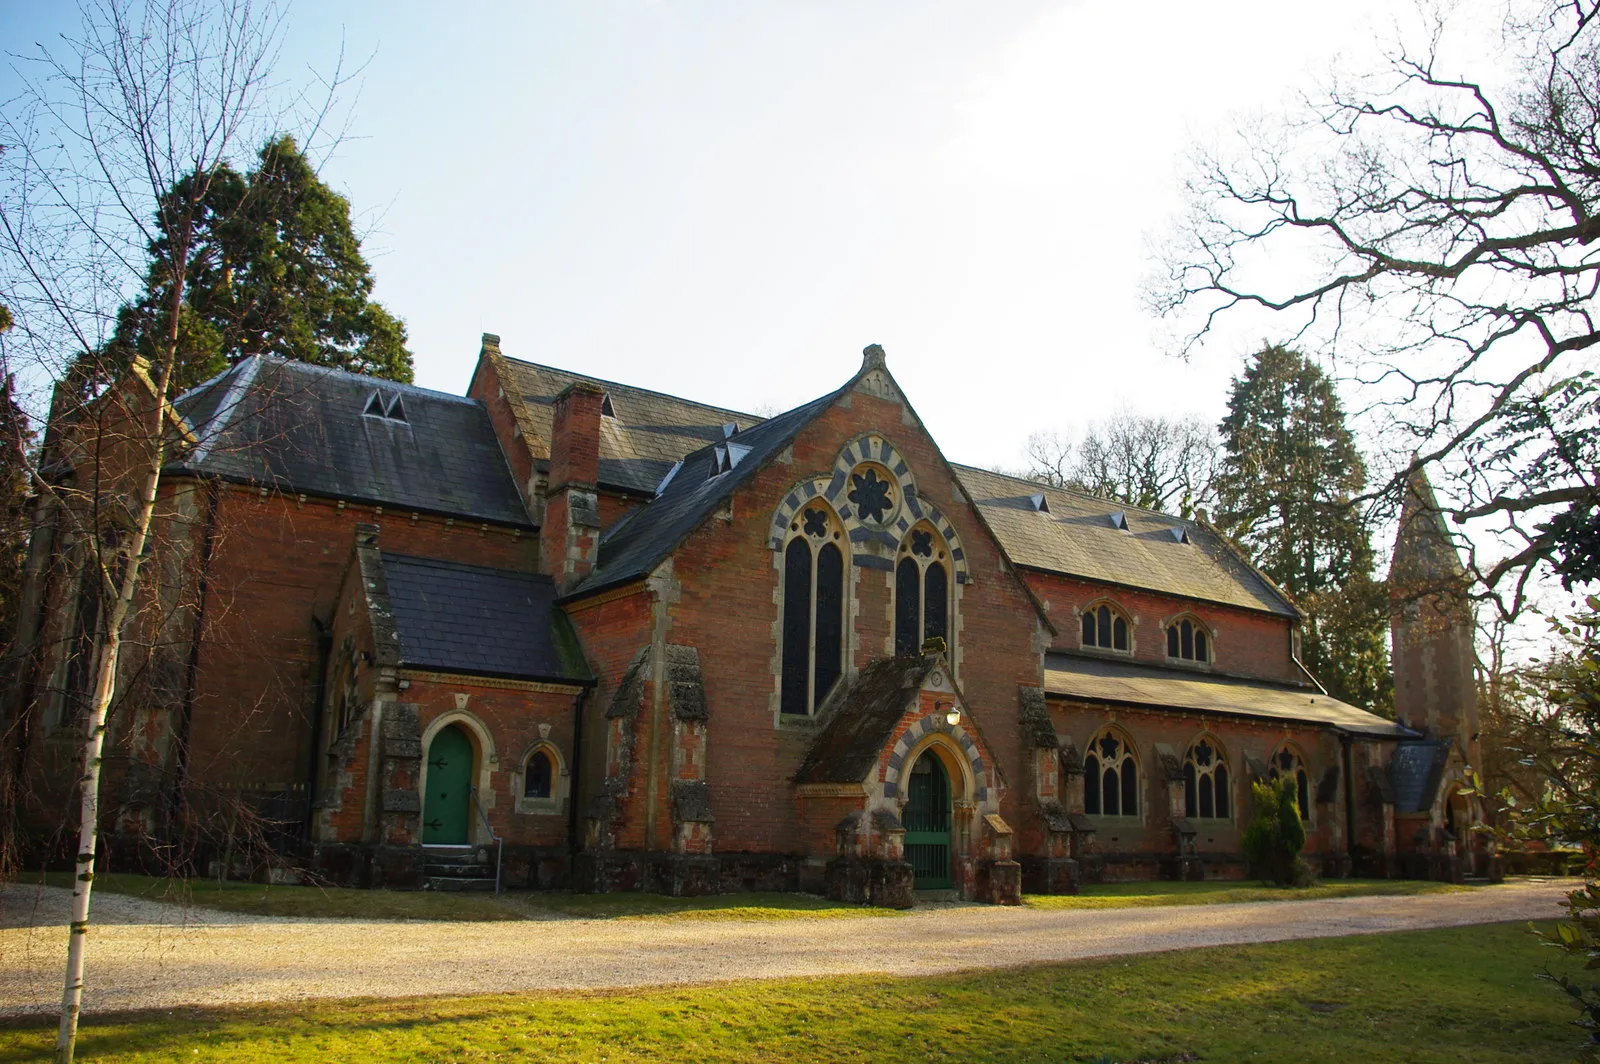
(109, 153)
(1158, 463)
(1446, 249)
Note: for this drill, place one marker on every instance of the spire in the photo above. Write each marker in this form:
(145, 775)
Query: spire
(1425, 556)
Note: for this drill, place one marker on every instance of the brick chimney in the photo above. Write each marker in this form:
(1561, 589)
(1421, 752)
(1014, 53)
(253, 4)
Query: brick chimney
(569, 538)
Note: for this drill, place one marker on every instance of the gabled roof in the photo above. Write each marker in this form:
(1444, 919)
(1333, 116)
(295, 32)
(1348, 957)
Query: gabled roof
(1075, 535)
(1415, 773)
(863, 719)
(636, 544)
(649, 432)
(1125, 683)
(302, 428)
(469, 619)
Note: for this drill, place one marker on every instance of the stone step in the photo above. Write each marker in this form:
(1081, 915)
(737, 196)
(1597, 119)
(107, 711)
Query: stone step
(453, 883)
(458, 871)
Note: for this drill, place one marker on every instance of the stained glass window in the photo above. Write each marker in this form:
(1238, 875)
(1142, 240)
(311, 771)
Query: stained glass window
(1110, 777)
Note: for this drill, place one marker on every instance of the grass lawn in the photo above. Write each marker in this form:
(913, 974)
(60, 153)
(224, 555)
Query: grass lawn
(262, 900)
(336, 903)
(1457, 995)
(1139, 895)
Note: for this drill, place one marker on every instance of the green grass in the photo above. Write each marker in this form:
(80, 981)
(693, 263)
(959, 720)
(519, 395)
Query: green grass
(335, 903)
(1429, 997)
(1140, 895)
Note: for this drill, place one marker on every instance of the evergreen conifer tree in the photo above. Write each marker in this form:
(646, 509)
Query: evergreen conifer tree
(277, 270)
(1289, 471)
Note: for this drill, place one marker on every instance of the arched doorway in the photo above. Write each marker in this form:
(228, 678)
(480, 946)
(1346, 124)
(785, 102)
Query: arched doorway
(927, 823)
(446, 808)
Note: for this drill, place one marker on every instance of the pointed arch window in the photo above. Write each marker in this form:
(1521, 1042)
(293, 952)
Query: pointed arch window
(1110, 776)
(1105, 627)
(538, 777)
(921, 591)
(1206, 793)
(1287, 764)
(812, 645)
(1188, 640)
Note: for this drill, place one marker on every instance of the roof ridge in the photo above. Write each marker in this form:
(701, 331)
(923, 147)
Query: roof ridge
(634, 387)
(299, 365)
(446, 563)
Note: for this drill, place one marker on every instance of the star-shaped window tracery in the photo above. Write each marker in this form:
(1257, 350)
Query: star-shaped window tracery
(871, 496)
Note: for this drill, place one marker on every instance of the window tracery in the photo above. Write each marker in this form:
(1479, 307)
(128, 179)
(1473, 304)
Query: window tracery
(1105, 628)
(813, 610)
(1206, 792)
(1188, 640)
(921, 591)
(1110, 776)
(1287, 764)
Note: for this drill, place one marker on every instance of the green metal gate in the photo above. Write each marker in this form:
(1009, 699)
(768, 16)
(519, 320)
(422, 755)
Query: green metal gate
(927, 820)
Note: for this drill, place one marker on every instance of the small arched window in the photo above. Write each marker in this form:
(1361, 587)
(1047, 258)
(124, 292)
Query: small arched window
(1286, 764)
(1188, 640)
(921, 591)
(538, 778)
(1206, 794)
(1110, 777)
(1105, 628)
(813, 610)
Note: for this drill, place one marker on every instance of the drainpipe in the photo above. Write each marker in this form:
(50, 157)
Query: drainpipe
(1348, 764)
(574, 788)
(177, 799)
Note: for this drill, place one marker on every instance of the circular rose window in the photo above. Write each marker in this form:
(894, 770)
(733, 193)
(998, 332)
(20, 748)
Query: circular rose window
(874, 494)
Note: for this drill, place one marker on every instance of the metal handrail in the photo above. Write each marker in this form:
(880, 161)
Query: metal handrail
(499, 843)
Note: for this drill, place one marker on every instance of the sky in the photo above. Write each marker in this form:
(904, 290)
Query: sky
(728, 200)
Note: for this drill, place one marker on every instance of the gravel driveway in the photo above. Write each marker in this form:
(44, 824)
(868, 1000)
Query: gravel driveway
(147, 955)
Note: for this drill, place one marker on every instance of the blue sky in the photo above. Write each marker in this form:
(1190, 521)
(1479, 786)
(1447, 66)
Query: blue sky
(729, 200)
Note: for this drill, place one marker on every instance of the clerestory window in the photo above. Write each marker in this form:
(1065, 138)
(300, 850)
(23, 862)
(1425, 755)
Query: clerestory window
(1188, 640)
(1105, 628)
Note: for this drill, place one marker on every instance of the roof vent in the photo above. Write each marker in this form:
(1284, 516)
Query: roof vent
(1180, 534)
(606, 409)
(730, 430)
(668, 478)
(374, 406)
(727, 455)
(1119, 520)
(1040, 503)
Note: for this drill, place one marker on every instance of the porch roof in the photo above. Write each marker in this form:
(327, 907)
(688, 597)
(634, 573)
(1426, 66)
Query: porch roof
(1124, 683)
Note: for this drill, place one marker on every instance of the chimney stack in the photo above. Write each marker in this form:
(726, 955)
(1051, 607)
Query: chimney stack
(569, 538)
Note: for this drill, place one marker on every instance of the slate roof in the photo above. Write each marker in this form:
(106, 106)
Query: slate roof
(303, 428)
(1077, 538)
(469, 619)
(632, 548)
(1125, 683)
(863, 720)
(649, 433)
(1415, 772)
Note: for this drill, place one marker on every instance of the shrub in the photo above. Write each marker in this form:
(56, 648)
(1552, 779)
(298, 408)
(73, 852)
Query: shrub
(1275, 837)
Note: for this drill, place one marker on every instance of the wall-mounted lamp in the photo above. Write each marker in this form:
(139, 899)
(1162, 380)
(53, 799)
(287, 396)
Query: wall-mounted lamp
(952, 715)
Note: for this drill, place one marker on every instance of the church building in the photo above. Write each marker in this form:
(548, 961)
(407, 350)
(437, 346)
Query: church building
(564, 632)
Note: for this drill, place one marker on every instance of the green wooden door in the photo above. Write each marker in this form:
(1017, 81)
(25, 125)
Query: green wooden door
(447, 805)
(927, 820)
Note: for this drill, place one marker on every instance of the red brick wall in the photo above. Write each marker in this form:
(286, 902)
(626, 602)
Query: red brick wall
(727, 610)
(512, 715)
(1245, 643)
(1150, 834)
(277, 564)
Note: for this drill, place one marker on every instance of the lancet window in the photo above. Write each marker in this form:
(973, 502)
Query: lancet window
(538, 776)
(1188, 640)
(1105, 627)
(921, 590)
(813, 609)
(1206, 795)
(1110, 776)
